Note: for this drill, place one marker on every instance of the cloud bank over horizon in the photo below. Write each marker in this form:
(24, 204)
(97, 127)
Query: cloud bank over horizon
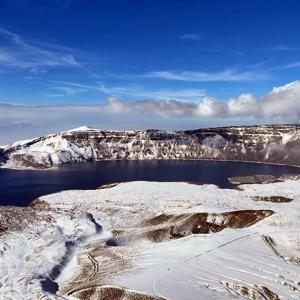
(281, 104)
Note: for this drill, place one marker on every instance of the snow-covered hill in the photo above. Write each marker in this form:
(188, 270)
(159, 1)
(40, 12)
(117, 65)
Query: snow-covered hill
(270, 143)
(155, 241)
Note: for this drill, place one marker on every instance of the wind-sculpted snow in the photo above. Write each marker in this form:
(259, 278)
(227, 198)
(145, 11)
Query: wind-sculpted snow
(154, 241)
(278, 144)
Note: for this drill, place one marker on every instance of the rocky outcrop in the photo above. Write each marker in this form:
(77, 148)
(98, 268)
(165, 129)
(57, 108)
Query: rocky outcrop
(2, 156)
(278, 144)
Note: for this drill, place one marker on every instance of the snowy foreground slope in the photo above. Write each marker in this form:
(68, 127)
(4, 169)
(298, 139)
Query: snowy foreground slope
(272, 143)
(150, 240)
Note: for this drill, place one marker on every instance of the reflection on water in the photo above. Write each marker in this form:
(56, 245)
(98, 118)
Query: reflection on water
(20, 187)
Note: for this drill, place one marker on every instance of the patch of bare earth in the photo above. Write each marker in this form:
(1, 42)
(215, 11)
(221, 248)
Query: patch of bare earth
(164, 227)
(39, 204)
(112, 293)
(195, 182)
(169, 226)
(13, 218)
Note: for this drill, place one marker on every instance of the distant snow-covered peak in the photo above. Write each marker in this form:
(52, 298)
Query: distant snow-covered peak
(81, 128)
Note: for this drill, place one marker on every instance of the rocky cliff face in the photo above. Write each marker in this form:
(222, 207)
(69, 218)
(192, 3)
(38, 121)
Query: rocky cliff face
(2, 156)
(273, 143)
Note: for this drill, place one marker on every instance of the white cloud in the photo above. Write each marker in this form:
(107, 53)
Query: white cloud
(244, 105)
(284, 48)
(20, 53)
(293, 65)
(162, 94)
(134, 91)
(162, 108)
(211, 108)
(66, 91)
(226, 75)
(281, 105)
(281, 102)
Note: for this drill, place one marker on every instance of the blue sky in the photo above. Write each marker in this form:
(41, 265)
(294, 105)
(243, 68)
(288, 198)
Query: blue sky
(75, 52)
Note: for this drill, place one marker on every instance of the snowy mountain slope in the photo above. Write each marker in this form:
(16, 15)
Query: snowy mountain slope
(170, 240)
(271, 143)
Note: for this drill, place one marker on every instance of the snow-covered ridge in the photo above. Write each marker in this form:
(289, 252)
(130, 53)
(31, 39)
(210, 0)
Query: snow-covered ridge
(269, 143)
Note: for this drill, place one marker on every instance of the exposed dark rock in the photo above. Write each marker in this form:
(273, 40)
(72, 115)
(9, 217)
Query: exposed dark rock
(275, 199)
(262, 179)
(253, 179)
(3, 157)
(107, 186)
(274, 247)
(289, 176)
(256, 292)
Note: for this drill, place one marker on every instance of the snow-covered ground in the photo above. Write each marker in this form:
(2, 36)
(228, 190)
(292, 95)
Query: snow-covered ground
(171, 240)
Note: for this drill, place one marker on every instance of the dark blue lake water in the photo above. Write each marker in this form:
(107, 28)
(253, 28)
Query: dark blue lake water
(20, 187)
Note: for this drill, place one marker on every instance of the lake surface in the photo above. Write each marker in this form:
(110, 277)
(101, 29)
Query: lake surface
(21, 187)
